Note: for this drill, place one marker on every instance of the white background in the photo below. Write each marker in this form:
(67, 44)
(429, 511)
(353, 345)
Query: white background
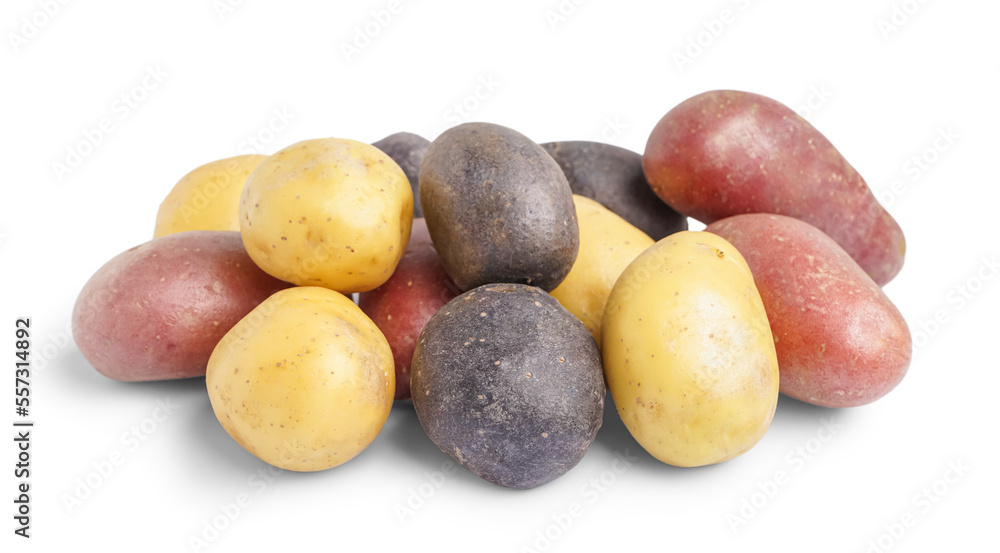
(607, 71)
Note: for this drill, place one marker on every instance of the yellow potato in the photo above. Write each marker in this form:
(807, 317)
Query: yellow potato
(608, 244)
(688, 352)
(305, 381)
(207, 198)
(327, 212)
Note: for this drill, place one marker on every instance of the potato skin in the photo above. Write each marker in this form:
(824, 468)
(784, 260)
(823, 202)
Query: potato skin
(156, 311)
(840, 341)
(304, 382)
(403, 305)
(508, 383)
(725, 152)
(327, 212)
(207, 198)
(407, 150)
(608, 244)
(688, 353)
(498, 208)
(613, 177)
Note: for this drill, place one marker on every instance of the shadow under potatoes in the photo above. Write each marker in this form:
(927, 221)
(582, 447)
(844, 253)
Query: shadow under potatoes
(72, 370)
(404, 437)
(791, 407)
(212, 443)
(613, 436)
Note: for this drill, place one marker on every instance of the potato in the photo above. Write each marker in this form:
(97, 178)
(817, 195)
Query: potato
(688, 353)
(724, 153)
(840, 341)
(207, 198)
(327, 212)
(402, 306)
(508, 383)
(304, 382)
(498, 208)
(608, 244)
(407, 150)
(613, 177)
(156, 311)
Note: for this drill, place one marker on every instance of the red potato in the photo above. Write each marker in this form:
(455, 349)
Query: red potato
(724, 153)
(402, 306)
(157, 311)
(840, 341)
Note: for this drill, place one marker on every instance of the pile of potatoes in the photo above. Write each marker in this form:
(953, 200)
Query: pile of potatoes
(504, 286)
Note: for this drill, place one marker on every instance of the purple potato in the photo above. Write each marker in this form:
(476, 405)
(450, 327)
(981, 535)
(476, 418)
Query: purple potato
(613, 177)
(407, 150)
(498, 208)
(509, 383)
